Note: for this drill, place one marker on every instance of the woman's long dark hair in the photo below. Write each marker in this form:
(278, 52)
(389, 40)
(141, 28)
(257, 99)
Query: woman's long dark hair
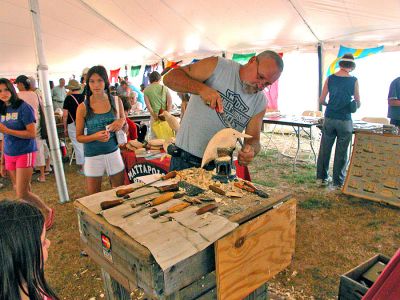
(14, 100)
(21, 256)
(102, 72)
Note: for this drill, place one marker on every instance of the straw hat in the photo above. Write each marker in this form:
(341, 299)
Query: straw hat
(73, 85)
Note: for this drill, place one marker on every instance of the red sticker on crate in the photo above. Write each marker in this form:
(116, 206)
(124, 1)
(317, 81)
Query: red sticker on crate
(105, 240)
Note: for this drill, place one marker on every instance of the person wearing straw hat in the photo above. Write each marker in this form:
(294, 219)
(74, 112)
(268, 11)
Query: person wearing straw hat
(70, 106)
(342, 89)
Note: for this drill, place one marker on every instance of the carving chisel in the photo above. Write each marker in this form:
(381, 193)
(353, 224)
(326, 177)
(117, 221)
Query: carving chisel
(172, 209)
(112, 203)
(159, 200)
(123, 192)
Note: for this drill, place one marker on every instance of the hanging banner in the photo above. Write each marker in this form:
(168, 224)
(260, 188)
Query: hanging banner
(357, 53)
(114, 75)
(242, 58)
(135, 70)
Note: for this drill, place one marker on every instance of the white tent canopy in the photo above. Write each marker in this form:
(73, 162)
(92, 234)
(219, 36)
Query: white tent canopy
(80, 33)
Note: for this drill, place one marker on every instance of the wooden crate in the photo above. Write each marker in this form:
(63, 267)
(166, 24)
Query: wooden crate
(135, 269)
(350, 288)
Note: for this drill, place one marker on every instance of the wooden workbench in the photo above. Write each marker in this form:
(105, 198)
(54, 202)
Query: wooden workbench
(236, 266)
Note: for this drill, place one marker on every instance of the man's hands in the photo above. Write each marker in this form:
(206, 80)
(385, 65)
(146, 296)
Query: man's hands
(246, 155)
(212, 98)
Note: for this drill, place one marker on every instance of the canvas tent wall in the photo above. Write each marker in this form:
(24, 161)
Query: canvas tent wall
(79, 33)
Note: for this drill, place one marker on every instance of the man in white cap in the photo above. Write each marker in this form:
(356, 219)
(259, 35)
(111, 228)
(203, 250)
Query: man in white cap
(83, 80)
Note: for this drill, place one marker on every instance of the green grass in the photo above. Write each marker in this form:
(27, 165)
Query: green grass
(300, 176)
(313, 203)
(375, 223)
(265, 183)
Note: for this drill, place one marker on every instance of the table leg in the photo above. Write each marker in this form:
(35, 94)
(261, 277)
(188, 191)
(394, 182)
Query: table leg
(312, 146)
(298, 145)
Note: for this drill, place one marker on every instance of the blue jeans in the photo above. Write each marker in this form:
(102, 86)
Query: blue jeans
(342, 131)
(185, 160)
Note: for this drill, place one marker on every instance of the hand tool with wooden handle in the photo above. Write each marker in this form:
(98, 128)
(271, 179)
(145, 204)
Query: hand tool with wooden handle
(112, 203)
(206, 208)
(159, 200)
(172, 209)
(217, 190)
(123, 192)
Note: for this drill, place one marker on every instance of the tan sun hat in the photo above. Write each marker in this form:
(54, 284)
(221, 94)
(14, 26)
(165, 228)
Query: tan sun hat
(85, 71)
(73, 85)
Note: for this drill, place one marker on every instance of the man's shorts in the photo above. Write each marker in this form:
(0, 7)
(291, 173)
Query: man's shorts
(20, 161)
(111, 164)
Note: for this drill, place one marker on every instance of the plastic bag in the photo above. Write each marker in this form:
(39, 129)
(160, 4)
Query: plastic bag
(162, 130)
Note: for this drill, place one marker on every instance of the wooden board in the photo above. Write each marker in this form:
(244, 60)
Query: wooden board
(255, 252)
(374, 171)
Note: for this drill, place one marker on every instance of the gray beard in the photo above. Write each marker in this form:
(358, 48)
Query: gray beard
(249, 88)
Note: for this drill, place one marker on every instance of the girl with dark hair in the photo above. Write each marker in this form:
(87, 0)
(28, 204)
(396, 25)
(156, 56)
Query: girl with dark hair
(18, 126)
(98, 114)
(23, 252)
(342, 88)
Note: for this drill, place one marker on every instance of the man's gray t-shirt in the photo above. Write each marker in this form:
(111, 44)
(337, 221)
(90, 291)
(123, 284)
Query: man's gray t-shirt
(200, 123)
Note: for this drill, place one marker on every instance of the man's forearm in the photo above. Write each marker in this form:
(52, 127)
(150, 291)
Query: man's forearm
(179, 81)
(394, 102)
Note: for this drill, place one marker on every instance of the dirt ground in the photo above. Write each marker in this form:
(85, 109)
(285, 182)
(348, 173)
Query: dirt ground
(334, 232)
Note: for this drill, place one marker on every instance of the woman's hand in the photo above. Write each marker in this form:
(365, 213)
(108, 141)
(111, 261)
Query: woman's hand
(155, 116)
(3, 128)
(102, 136)
(116, 125)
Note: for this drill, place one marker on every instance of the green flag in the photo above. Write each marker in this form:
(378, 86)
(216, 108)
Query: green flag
(242, 58)
(135, 71)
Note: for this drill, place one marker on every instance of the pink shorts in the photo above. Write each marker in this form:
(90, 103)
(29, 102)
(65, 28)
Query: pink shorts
(20, 161)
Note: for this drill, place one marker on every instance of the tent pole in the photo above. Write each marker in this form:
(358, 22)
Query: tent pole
(320, 70)
(48, 105)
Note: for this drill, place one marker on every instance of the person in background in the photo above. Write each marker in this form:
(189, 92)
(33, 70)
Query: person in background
(136, 106)
(98, 114)
(34, 100)
(185, 100)
(142, 87)
(46, 151)
(71, 104)
(34, 87)
(394, 102)
(23, 252)
(58, 94)
(342, 88)
(156, 97)
(139, 92)
(17, 124)
(51, 84)
(83, 80)
(131, 130)
(220, 85)
(123, 89)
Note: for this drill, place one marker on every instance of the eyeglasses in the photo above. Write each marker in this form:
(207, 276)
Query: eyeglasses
(260, 76)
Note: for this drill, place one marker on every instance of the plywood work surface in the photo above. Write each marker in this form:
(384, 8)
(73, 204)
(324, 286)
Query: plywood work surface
(255, 251)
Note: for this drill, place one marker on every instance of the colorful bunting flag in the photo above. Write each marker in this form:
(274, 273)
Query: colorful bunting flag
(242, 58)
(135, 70)
(114, 75)
(357, 53)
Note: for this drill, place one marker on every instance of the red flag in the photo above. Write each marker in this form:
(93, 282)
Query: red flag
(114, 75)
